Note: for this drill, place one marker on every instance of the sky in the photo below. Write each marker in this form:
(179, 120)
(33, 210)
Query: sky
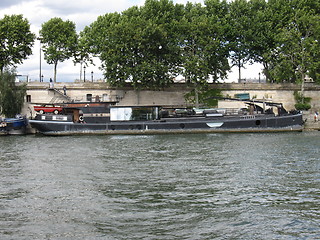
(82, 13)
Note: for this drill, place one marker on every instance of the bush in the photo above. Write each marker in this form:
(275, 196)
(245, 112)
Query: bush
(302, 106)
(302, 103)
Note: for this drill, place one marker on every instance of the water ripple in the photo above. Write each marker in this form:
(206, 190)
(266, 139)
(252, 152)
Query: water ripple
(210, 186)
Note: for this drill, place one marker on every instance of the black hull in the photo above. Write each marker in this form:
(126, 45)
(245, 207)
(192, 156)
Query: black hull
(263, 123)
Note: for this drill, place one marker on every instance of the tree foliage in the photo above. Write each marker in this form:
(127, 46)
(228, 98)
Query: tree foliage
(16, 40)
(204, 49)
(151, 45)
(281, 35)
(59, 41)
(297, 48)
(139, 45)
(11, 94)
(240, 33)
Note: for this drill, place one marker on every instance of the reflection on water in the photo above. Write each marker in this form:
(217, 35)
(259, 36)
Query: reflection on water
(209, 186)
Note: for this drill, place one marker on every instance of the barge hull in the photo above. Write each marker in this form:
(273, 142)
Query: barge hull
(206, 125)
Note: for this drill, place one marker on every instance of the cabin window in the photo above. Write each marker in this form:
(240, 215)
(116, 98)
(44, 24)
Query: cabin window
(28, 98)
(143, 113)
(120, 114)
(89, 97)
(133, 113)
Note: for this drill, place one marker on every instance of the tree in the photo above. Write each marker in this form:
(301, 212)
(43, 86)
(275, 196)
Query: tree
(149, 46)
(263, 30)
(240, 33)
(161, 42)
(104, 43)
(218, 49)
(297, 48)
(11, 95)
(203, 46)
(82, 53)
(295, 51)
(16, 40)
(138, 46)
(59, 41)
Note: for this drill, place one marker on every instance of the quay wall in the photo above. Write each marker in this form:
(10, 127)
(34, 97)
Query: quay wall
(39, 93)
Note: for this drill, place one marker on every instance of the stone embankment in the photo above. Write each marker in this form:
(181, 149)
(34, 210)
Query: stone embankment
(311, 124)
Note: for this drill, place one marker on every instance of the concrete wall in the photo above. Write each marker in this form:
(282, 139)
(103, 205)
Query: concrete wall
(283, 93)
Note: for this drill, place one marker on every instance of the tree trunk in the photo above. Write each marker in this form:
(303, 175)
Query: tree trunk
(80, 71)
(239, 69)
(302, 86)
(266, 71)
(196, 95)
(55, 72)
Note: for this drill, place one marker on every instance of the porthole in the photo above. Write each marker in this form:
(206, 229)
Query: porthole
(258, 123)
(182, 125)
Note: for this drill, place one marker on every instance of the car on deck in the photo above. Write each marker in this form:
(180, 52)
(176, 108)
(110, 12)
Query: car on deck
(48, 108)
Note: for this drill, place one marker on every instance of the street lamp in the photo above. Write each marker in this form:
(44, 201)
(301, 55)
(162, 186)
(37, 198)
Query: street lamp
(91, 76)
(84, 73)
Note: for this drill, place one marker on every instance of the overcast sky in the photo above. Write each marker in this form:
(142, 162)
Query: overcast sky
(82, 13)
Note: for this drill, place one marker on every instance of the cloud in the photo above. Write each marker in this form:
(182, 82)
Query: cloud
(31, 10)
(62, 7)
(8, 3)
(84, 12)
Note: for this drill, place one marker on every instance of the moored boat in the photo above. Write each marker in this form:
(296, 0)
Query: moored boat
(107, 118)
(13, 126)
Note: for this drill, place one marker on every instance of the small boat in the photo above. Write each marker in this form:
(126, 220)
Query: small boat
(108, 118)
(13, 126)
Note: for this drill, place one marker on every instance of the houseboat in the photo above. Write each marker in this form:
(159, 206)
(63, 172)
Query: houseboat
(108, 118)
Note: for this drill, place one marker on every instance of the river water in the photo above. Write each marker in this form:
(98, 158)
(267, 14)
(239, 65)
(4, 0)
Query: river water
(201, 186)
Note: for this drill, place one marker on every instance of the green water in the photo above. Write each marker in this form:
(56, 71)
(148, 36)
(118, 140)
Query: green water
(206, 186)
